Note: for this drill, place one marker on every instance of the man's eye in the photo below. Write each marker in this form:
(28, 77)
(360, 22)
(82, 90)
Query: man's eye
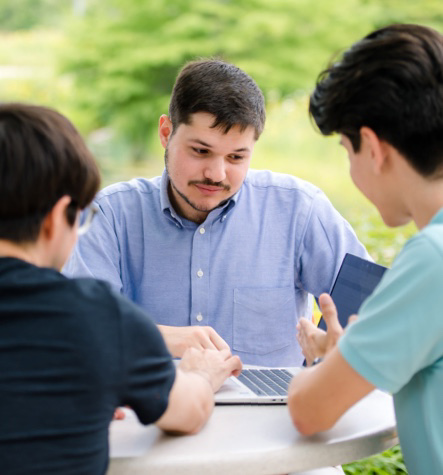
(200, 151)
(236, 157)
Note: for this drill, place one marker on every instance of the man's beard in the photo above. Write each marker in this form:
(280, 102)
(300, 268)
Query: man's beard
(203, 209)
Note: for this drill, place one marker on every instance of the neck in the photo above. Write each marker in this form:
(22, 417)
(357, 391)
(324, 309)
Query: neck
(27, 252)
(425, 200)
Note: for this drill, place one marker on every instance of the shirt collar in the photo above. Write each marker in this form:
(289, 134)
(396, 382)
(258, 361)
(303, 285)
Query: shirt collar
(437, 218)
(168, 209)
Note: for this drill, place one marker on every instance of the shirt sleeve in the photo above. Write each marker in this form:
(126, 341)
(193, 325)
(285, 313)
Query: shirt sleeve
(97, 253)
(326, 239)
(399, 329)
(148, 369)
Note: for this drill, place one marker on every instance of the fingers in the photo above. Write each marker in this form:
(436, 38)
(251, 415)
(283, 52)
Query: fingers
(312, 340)
(329, 312)
(216, 340)
(305, 326)
(236, 365)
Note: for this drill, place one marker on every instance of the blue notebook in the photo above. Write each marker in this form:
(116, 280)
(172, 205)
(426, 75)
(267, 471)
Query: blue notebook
(355, 282)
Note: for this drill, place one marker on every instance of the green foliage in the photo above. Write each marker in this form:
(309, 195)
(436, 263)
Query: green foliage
(124, 54)
(132, 50)
(389, 462)
(26, 14)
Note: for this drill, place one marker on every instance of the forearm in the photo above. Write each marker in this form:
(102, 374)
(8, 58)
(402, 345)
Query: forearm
(190, 405)
(306, 412)
(320, 395)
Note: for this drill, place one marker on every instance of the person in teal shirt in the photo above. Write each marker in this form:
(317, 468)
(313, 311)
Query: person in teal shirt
(384, 97)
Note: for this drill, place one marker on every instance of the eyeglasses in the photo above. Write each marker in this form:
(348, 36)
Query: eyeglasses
(88, 215)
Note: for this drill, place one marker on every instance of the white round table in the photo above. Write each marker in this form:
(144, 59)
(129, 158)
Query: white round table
(259, 440)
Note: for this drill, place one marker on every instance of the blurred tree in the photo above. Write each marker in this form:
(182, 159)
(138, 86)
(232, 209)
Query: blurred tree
(27, 14)
(125, 54)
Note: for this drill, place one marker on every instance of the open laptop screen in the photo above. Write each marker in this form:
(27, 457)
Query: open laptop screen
(356, 280)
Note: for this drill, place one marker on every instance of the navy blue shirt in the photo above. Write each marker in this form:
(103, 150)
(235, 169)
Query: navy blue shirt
(71, 351)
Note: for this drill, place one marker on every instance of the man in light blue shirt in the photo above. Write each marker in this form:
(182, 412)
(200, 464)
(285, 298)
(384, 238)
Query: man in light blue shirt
(216, 253)
(385, 98)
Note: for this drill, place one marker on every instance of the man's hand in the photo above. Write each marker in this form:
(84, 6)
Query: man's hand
(314, 342)
(179, 339)
(215, 366)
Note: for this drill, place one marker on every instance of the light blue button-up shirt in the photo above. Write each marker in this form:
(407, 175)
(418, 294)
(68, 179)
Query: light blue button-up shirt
(247, 270)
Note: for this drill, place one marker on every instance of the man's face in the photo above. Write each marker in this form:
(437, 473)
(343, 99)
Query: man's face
(205, 166)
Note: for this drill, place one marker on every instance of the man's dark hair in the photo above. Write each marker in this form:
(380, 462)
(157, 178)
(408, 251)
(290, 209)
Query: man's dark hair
(392, 82)
(42, 158)
(220, 89)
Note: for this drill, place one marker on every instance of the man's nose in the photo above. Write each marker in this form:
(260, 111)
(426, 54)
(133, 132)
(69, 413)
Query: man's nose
(215, 169)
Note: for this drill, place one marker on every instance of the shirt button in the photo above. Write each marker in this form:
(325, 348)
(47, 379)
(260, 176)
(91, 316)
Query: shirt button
(223, 217)
(202, 230)
(200, 273)
(199, 317)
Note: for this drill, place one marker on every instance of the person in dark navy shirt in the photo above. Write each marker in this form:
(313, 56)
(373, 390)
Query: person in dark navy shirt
(72, 350)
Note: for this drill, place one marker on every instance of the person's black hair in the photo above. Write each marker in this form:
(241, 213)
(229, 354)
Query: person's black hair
(392, 82)
(220, 89)
(42, 158)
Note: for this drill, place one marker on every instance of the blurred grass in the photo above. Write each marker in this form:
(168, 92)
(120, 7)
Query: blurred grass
(289, 144)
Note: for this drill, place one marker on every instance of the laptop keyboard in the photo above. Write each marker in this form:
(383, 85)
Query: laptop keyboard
(266, 382)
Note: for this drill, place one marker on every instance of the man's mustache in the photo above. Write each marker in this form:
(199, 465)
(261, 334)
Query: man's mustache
(207, 182)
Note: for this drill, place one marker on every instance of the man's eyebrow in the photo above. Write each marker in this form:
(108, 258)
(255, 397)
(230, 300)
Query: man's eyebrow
(242, 149)
(200, 142)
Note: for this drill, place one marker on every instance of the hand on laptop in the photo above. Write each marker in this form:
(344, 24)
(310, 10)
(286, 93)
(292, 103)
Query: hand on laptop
(179, 339)
(215, 366)
(314, 342)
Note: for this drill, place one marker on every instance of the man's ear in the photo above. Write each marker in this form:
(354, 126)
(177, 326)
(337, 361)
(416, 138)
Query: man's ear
(164, 129)
(375, 148)
(55, 219)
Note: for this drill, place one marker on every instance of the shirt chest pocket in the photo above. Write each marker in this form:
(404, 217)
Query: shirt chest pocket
(264, 319)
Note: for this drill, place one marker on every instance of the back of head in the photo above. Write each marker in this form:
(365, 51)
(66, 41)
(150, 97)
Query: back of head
(392, 82)
(42, 158)
(220, 89)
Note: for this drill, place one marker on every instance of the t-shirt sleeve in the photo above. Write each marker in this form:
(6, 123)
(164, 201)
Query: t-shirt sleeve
(399, 328)
(148, 369)
(327, 237)
(97, 253)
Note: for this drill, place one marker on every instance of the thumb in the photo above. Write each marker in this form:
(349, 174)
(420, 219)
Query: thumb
(329, 312)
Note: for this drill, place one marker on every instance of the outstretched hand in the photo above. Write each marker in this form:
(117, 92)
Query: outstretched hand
(314, 342)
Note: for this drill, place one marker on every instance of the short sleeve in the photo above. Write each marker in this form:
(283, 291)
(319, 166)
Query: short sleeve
(399, 329)
(97, 253)
(326, 240)
(148, 369)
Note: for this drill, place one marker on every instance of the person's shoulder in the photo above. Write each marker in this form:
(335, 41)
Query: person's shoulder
(89, 291)
(135, 187)
(280, 181)
(428, 242)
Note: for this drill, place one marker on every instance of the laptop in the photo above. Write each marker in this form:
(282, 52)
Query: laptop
(355, 281)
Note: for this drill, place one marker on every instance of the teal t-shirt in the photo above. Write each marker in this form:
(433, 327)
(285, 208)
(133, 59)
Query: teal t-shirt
(397, 345)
